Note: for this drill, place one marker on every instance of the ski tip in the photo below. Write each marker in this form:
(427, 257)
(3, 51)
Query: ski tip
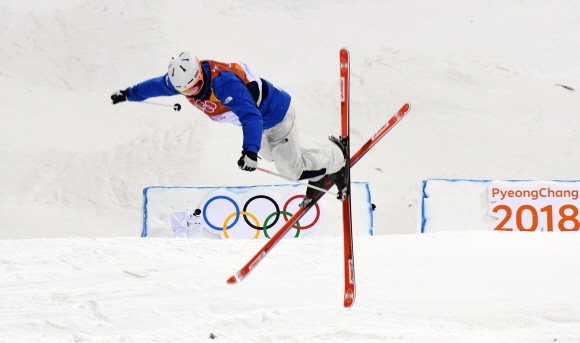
(349, 299)
(232, 280)
(348, 304)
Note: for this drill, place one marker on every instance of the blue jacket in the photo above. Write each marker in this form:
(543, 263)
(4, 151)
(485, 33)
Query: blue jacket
(225, 91)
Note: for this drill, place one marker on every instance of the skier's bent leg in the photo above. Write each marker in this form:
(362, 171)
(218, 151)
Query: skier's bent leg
(318, 165)
(296, 162)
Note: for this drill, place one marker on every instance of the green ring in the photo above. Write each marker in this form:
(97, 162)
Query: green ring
(273, 214)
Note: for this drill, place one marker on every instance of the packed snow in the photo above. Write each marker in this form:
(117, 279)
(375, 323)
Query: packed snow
(494, 88)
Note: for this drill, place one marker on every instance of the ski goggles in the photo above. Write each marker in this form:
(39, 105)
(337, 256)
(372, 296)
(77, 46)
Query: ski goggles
(195, 87)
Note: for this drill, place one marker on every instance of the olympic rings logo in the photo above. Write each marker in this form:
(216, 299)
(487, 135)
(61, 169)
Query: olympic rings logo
(221, 212)
(205, 106)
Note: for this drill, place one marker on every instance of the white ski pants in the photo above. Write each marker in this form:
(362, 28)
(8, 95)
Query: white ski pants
(281, 145)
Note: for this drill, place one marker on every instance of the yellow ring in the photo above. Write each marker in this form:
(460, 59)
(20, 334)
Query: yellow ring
(225, 227)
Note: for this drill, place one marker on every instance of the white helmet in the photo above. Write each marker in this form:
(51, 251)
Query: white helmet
(185, 73)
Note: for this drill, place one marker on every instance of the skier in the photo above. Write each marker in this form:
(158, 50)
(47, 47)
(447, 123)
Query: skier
(195, 223)
(233, 93)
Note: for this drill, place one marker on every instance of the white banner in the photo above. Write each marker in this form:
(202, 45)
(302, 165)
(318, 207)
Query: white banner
(479, 205)
(255, 212)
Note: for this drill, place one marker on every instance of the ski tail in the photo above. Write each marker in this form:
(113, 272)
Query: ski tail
(242, 273)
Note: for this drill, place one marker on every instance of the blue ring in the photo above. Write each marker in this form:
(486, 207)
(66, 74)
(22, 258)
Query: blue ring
(226, 198)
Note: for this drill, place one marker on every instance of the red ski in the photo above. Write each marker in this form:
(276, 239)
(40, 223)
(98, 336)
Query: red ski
(349, 280)
(246, 269)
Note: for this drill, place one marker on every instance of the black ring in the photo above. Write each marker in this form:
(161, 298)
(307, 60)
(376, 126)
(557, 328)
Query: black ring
(263, 197)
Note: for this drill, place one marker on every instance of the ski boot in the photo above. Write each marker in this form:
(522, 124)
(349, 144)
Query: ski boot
(340, 178)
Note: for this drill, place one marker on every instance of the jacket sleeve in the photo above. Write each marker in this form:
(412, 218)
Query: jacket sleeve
(232, 93)
(159, 86)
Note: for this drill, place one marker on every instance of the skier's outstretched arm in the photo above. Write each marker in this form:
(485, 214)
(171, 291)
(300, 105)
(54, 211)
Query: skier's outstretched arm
(158, 86)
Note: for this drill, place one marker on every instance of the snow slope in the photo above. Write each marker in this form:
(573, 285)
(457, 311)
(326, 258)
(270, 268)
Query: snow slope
(446, 287)
(485, 79)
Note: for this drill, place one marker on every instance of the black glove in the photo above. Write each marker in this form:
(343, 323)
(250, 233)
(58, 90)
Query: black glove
(248, 161)
(119, 96)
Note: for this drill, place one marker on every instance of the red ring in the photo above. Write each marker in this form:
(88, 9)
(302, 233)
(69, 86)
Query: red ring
(306, 226)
